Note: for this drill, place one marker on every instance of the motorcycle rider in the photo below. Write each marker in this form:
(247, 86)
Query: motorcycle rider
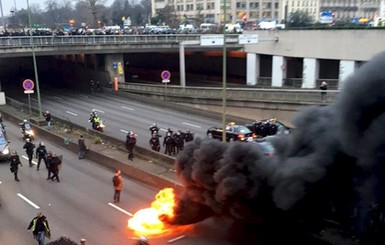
(130, 143)
(154, 142)
(94, 119)
(25, 125)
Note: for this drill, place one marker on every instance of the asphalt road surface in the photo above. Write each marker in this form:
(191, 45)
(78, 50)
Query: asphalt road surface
(119, 114)
(80, 206)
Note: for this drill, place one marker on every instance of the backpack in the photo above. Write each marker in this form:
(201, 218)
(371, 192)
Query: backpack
(116, 180)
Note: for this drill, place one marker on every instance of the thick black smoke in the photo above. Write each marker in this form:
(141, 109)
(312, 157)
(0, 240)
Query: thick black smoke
(329, 171)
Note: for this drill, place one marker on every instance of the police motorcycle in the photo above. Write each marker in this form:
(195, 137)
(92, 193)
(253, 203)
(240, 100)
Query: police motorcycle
(97, 124)
(26, 130)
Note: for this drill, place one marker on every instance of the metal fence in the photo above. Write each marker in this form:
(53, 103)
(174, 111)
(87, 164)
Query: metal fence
(25, 41)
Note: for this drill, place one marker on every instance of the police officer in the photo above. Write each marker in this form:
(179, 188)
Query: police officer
(14, 161)
(188, 136)
(154, 142)
(179, 141)
(154, 129)
(41, 154)
(29, 146)
(169, 143)
(130, 144)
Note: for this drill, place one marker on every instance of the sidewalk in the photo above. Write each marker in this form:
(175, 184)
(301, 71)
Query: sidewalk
(149, 171)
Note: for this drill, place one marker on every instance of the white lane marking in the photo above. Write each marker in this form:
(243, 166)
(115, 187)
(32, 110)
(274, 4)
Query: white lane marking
(26, 158)
(127, 108)
(124, 131)
(28, 201)
(120, 209)
(165, 130)
(84, 96)
(72, 113)
(99, 110)
(192, 125)
(57, 97)
(176, 239)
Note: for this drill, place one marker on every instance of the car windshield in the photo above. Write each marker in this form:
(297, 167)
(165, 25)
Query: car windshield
(241, 130)
(2, 139)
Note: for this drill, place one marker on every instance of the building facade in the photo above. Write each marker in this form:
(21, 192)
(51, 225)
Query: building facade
(212, 11)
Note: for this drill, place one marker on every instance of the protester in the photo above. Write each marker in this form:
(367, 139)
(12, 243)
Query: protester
(14, 161)
(40, 228)
(117, 180)
(54, 167)
(48, 118)
(82, 147)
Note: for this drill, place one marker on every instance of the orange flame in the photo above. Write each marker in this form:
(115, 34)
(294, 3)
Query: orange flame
(146, 221)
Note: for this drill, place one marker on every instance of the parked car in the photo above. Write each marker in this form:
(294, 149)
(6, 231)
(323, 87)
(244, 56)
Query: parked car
(266, 127)
(266, 147)
(4, 144)
(234, 132)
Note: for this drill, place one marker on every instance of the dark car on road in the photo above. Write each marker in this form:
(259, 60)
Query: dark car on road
(234, 132)
(266, 127)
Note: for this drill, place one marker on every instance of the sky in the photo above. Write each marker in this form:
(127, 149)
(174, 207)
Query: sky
(9, 5)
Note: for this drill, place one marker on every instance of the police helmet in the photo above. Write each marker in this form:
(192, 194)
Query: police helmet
(25, 120)
(28, 140)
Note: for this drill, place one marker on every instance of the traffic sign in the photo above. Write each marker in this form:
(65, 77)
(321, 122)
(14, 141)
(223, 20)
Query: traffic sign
(28, 84)
(165, 75)
(165, 80)
(212, 40)
(248, 39)
(28, 91)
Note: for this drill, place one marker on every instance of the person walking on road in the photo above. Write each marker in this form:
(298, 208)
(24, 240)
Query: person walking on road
(48, 118)
(130, 144)
(324, 88)
(14, 161)
(82, 147)
(40, 228)
(54, 167)
(41, 154)
(29, 146)
(117, 180)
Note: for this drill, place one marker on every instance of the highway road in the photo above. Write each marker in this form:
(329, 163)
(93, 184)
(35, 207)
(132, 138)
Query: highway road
(120, 114)
(80, 206)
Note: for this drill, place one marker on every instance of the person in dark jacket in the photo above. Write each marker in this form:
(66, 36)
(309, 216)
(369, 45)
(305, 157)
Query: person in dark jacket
(188, 137)
(48, 118)
(54, 167)
(179, 141)
(41, 154)
(40, 228)
(154, 142)
(48, 163)
(130, 144)
(29, 146)
(169, 143)
(82, 147)
(14, 161)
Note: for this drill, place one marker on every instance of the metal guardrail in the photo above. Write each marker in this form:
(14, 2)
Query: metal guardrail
(240, 94)
(44, 41)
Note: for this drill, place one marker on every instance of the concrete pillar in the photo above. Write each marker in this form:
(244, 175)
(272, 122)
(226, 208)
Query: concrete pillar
(279, 71)
(115, 66)
(252, 68)
(310, 73)
(347, 68)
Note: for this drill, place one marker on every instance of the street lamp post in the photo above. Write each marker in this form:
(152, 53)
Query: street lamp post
(224, 95)
(34, 60)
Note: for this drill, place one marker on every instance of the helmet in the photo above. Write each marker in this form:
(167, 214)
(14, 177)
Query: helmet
(25, 120)
(42, 143)
(27, 139)
(93, 110)
(14, 152)
(154, 124)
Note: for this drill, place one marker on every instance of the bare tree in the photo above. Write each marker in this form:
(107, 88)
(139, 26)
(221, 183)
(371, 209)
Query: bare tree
(93, 6)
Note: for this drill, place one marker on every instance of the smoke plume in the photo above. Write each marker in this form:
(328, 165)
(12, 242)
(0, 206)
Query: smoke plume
(328, 173)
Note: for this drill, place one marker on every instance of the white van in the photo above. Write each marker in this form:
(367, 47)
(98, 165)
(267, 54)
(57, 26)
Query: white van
(207, 27)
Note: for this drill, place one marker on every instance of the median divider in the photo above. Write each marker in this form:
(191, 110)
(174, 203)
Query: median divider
(115, 161)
